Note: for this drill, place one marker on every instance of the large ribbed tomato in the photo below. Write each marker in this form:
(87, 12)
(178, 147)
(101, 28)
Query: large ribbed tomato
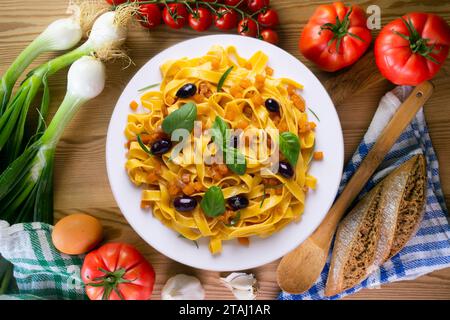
(412, 49)
(335, 36)
(117, 271)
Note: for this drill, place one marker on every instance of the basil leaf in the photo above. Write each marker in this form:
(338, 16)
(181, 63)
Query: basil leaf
(213, 202)
(235, 160)
(223, 78)
(219, 132)
(182, 118)
(290, 147)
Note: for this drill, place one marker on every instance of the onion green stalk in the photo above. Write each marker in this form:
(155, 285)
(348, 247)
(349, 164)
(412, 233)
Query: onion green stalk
(107, 34)
(26, 186)
(60, 35)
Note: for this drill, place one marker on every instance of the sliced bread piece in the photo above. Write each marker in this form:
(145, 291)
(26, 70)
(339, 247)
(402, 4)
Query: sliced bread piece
(379, 226)
(394, 185)
(412, 205)
(355, 244)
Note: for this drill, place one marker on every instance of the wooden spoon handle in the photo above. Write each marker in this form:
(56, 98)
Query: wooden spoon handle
(384, 143)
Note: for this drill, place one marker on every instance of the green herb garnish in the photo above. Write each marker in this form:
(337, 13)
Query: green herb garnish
(235, 220)
(142, 145)
(223, 78)
(290, 147)
(194, 241)
(149, 87)
(213, 202)
(219, 132)
(314, 114)
(277, 186)
(234, 159)
(182, 118)
(263, 197)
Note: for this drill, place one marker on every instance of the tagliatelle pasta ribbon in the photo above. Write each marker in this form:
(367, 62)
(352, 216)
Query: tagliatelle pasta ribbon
(271, 207)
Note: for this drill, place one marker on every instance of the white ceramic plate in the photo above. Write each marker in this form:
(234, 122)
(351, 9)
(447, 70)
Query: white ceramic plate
(234, 256)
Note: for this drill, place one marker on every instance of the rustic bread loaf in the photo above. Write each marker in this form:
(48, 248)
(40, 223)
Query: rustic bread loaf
(412, 205)
(378, 226)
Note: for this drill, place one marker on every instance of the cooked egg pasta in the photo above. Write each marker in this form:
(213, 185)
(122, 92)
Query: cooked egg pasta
(274, 201)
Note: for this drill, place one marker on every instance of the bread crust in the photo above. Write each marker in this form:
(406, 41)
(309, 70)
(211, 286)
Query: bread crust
(378, 226)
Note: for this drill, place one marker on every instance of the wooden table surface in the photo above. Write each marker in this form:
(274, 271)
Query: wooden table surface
(81, 182)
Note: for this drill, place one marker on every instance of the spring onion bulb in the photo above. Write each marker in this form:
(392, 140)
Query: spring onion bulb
(26, 188)
(60, 35)
(108, 33)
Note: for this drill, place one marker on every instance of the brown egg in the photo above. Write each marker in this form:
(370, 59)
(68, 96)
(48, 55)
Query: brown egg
(77, 233)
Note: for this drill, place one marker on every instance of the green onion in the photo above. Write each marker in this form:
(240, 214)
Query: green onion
(105, 35)
(223, 78)
(26, 186)
(6, 275)
(61, 34)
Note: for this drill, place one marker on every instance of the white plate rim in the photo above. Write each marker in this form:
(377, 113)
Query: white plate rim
(205, 263)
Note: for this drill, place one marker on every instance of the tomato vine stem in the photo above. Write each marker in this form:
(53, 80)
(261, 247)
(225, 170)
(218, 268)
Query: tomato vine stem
(213, 6)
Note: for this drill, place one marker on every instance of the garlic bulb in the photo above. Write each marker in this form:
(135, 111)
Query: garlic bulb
(183, 287)
(243, 285)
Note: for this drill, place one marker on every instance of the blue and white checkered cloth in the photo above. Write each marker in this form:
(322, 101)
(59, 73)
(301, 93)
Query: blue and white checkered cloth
(429, 249)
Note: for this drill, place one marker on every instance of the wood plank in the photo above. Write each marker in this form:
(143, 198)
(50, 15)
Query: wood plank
(81, 183)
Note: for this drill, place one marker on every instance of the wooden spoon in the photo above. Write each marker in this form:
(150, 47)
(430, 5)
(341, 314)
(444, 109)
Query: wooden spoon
(300, 268)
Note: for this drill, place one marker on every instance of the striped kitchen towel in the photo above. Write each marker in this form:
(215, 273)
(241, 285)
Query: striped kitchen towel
(40, 270)
(429, 249)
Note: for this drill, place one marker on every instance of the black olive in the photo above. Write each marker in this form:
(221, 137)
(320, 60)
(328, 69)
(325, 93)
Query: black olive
(238, 202)
(161, 146)
(272, 105)
(186, 91)
(184, 203)
(285, 169)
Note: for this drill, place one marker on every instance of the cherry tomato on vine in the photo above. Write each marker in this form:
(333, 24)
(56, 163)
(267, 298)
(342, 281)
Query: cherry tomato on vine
(200, 19)
(234, 3)
(226, 19)
(150, 15)
(175, 15)
(255, 5)
(268, 18)
(116, 2)
(247, 27)
(270, 36)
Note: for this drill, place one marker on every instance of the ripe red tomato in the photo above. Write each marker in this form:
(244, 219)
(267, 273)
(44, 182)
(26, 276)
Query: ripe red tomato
(116, 2)
(247, 27)
(270, 36)
(175, 15)
(150, 15)
(201, 19)
(255, 5)
(335, 36)
(226, 19)
(412, 49)
(268, 18)
(234, 2)
(117, 271)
